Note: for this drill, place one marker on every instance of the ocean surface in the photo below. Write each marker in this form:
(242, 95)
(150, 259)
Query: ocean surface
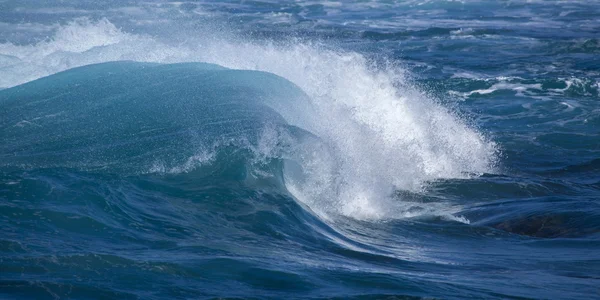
(299, 149)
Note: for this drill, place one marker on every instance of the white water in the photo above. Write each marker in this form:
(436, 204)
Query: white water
(379, 134)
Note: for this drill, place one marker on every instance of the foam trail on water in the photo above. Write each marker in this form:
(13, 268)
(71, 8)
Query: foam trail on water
(377, 133)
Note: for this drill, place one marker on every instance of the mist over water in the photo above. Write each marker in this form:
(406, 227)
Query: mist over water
(220, 149)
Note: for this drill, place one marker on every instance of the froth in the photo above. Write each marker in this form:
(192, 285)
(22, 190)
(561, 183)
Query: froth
(376, 133)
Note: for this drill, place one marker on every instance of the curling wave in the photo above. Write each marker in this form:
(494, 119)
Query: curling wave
(347, 136)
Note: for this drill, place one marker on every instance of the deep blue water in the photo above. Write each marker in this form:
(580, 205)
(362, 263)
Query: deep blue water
(300, 149)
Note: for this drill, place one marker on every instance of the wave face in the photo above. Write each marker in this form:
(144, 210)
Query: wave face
(133, 118)
(298, 150)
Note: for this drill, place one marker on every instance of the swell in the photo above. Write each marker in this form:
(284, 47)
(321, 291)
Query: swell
(107, 227)
(168, 227)
(183, 233)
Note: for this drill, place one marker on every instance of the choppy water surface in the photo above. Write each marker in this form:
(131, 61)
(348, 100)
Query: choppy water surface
(304, 149)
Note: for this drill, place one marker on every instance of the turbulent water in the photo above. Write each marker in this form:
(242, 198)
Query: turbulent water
(300, 149)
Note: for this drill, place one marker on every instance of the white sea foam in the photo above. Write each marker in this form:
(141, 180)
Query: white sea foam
(516, 84)
(518, 88)
(377, 133)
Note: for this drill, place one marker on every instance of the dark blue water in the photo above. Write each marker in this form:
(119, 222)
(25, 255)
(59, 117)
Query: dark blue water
(305, 149)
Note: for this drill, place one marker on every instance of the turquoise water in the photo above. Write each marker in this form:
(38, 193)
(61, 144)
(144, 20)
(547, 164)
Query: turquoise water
(368, 150)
